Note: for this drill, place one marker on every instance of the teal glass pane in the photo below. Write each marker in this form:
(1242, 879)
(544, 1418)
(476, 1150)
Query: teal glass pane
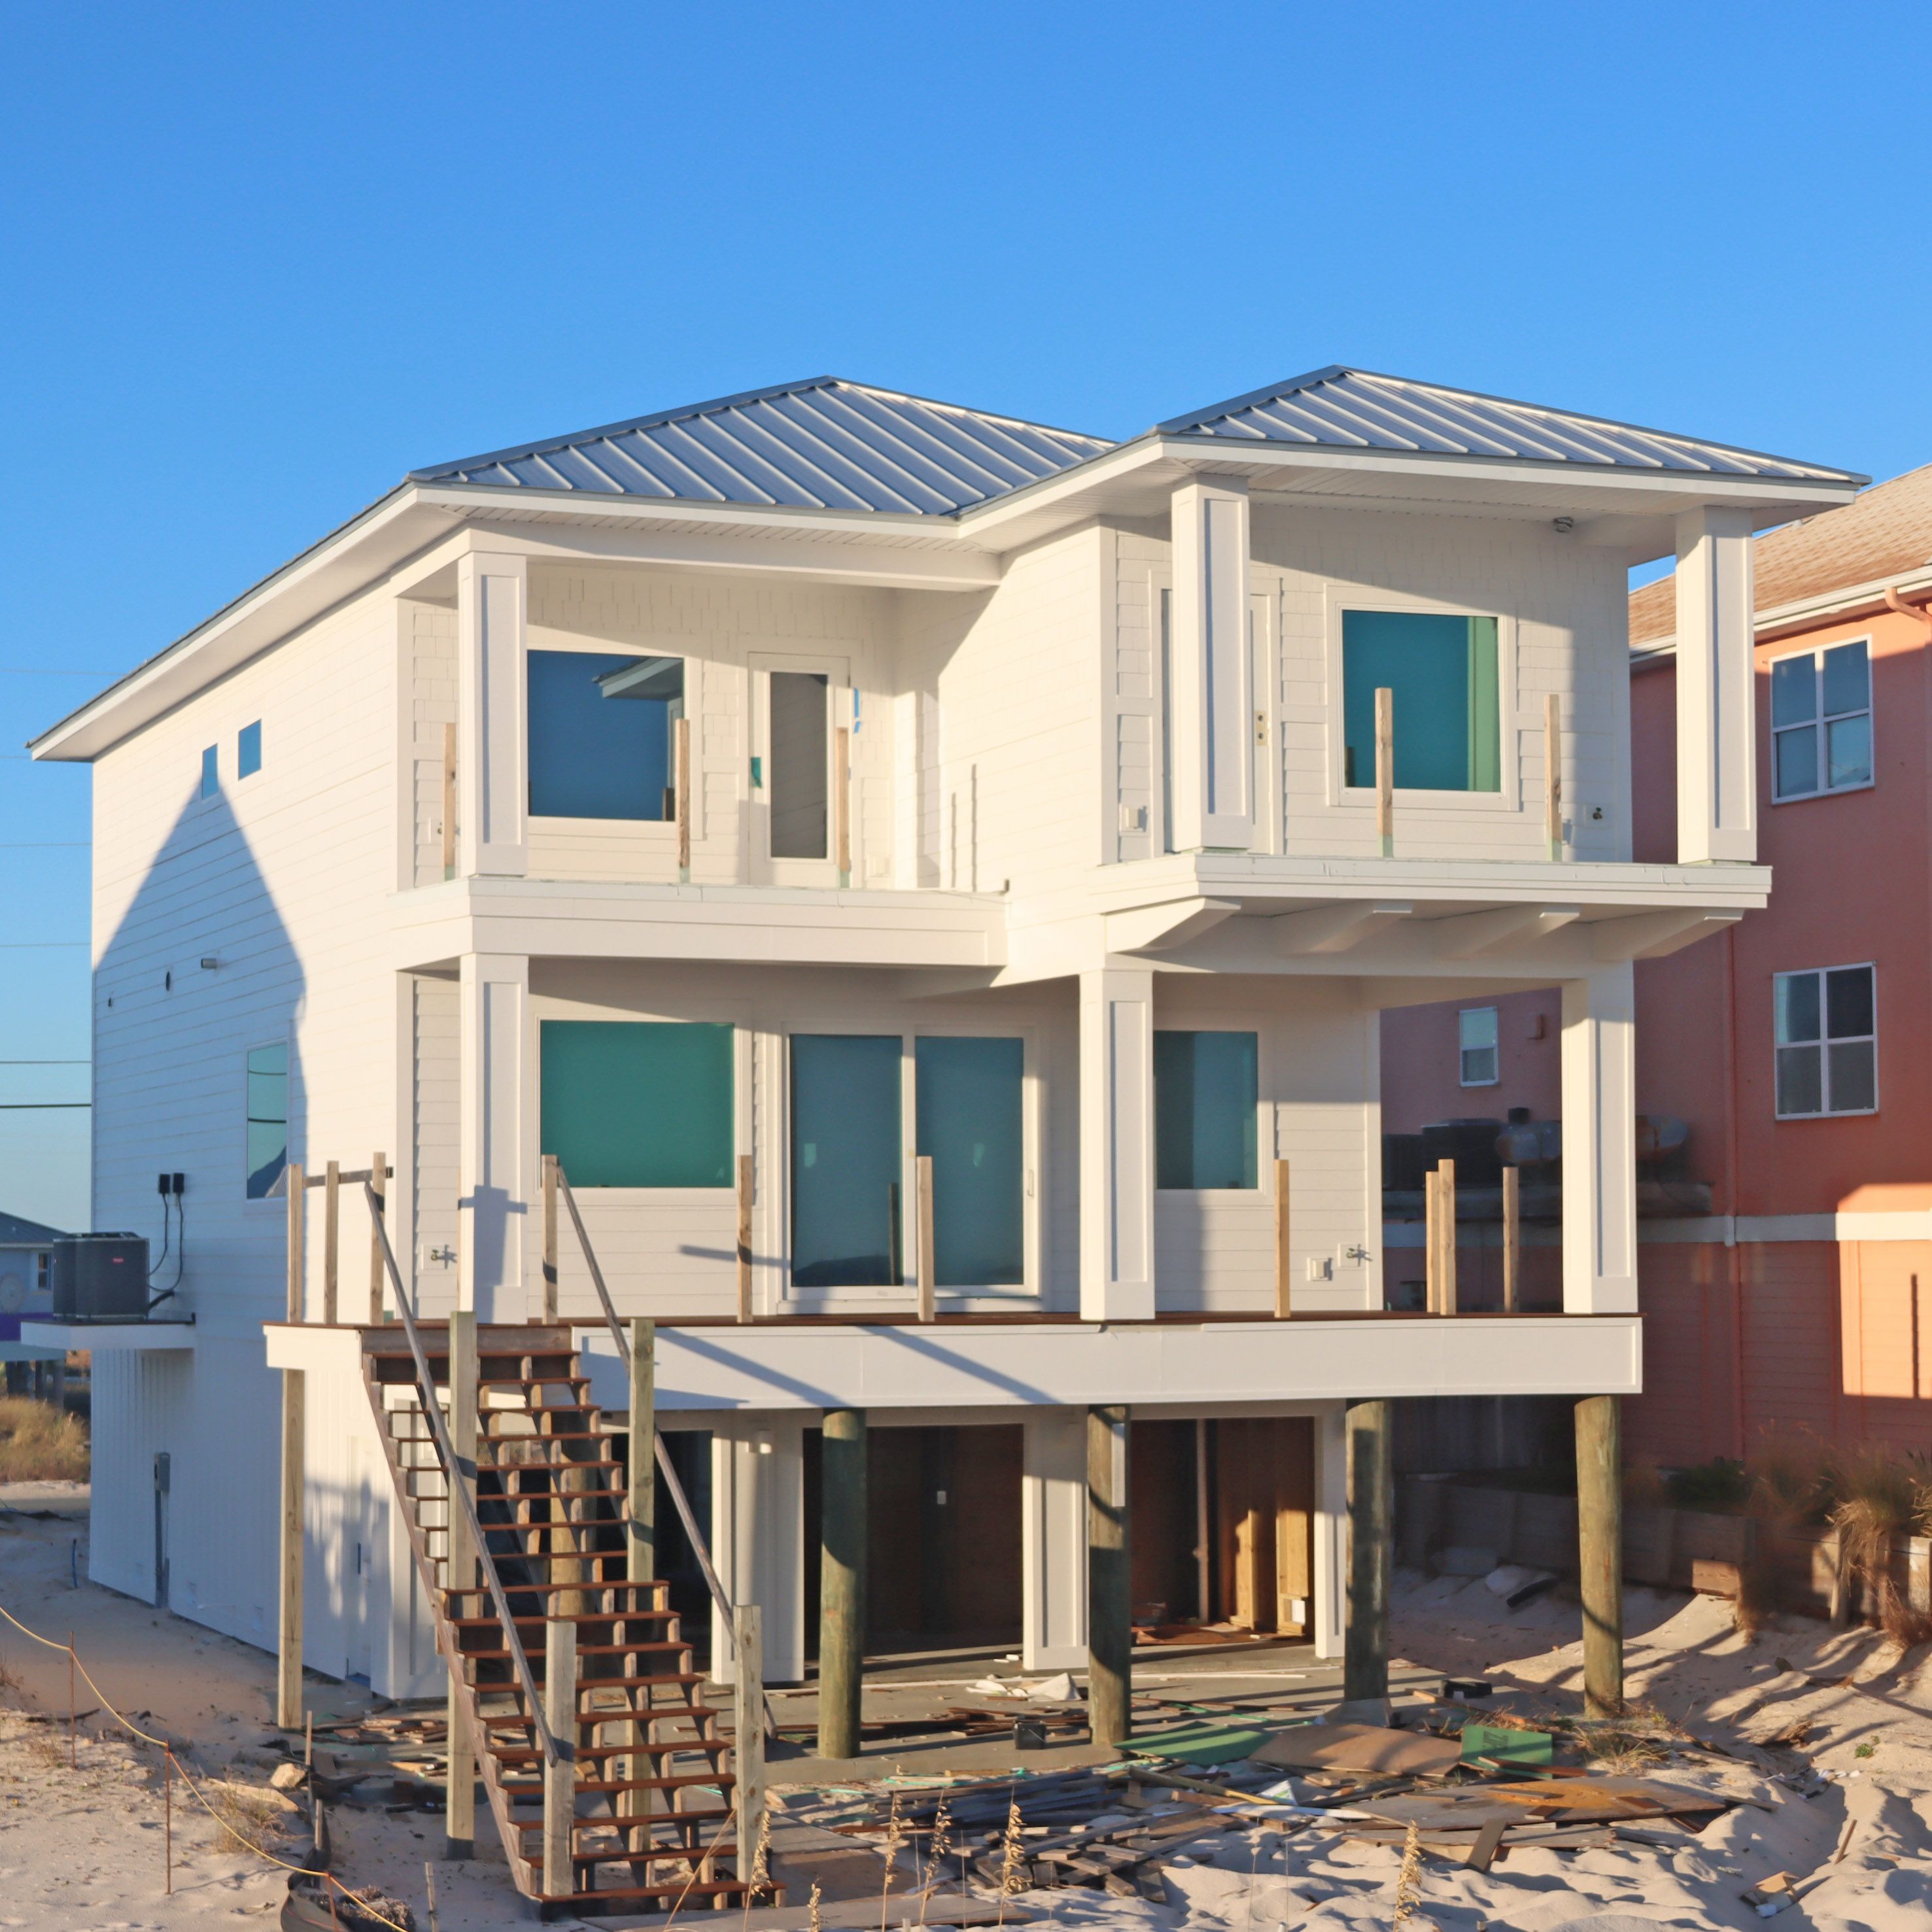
(970, 1121)
(210, 772)
(638, 1103)
(1794, 691)
(248, 752)
(845, 1144)
(1795, 1005)
(600, 733)
(267, 1153)
(1444, 676)
(1847, 679)
(1206, 1089)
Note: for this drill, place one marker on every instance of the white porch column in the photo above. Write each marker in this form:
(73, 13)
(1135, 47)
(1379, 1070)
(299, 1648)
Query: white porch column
(1116, 1145)
(1053, 1516)
(1600, 1143)
(498, 1112)
(1331, 1531)
(757, 1538)
(1716, 704)
(1211, 696)
(492, 787)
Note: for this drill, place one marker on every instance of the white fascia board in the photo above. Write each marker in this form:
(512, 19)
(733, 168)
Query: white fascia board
(1803, 613)
(763, 925)
(773, 1367)
(344, 565)
(1150, 463)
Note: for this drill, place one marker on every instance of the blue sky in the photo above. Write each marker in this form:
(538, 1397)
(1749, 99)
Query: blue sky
(261, 261)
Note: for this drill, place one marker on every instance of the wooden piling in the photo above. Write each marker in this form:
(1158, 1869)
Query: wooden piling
(1367, 1427)
(1552, 774)
(296, 1182)
(289, 1637)
(928, 1286)
(1284, 1289)
(1385, 772)
(550, 1265)
(681, 734)
(748, 1733)
(378, 1184)
(641, 1541)
(560, 1778)
(1600, 1551)
(841, 1601)
(1512, 1239)
(744, 1237)
(1204, 1546)
(459, 1823)
(331, 1241)
(1110, 1635)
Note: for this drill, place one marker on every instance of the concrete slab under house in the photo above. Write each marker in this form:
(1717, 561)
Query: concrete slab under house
(859, 927)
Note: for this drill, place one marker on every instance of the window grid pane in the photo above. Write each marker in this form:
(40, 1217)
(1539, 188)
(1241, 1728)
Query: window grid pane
(1821, 722)
(1826, 1054)
(1206, 1094)
(1796, 753)
(845, 1142)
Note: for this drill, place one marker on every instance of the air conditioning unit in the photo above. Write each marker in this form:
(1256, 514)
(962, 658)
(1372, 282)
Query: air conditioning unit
(100, 1277)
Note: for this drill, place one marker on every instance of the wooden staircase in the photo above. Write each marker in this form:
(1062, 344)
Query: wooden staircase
(653, 1817)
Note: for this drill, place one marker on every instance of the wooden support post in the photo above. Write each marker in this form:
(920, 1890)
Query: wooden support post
(1600, 1526)
(1284, 1253)
(1366, 1432)
(1552, 773)
(640, 1542)
(1431, 1243)
(1385, 772)
(378, 1183)
(681, 735)
(1204, 1544)
(289, 1652)
(559, 1776)
(928, 1286)
(1512, 1239)
(1110, 1635)
(550, 1266)
(748, 1734)
(459, 1824)
(842, 1602)
(331, 1242)
(744, 1237)
(296, 1182)
(449, 801)
(841, 802)
(1445, 1215)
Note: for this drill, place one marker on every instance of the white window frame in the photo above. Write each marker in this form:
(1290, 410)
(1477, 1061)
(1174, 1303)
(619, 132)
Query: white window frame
(1464, 1049)
(1508, 795)
(656, 836)
(1826, 1041)
(1819, 723)
(837, 672)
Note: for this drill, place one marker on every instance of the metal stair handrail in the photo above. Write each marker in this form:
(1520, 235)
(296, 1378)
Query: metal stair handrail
(445, 1448)
(679, 1500)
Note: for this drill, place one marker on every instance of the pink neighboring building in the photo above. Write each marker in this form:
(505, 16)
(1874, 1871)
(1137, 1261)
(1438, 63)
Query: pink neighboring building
(1786, 1253)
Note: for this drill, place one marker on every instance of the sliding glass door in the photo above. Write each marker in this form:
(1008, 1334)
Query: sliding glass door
(846, 1175)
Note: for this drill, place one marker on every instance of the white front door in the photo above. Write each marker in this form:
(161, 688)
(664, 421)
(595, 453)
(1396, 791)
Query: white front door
(799, 703)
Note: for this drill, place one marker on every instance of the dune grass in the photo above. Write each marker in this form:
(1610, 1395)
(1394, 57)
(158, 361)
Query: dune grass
(39, 1443)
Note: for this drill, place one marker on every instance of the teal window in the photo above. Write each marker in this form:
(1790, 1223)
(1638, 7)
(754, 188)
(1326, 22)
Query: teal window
(268, 1149)
(845, 1160)
(1821, 722)
(970, 1116)
(600, 731)
(248, 751)
(638, 1103)
(800, 785)
(211, 771)
(1447, 708)
(1206, 1094)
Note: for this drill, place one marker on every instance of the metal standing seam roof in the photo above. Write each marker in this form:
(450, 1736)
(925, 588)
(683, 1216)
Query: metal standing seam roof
(1343, 408)
(821, 445)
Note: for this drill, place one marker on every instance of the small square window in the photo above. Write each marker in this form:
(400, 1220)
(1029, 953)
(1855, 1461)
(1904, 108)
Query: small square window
(1206, 1109)
(1825, 1046)
(1476, 1039)
(211, 771)
(248, 751)
(1442, 674)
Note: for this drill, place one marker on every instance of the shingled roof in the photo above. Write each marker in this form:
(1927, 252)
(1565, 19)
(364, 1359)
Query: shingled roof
(1885, 533)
